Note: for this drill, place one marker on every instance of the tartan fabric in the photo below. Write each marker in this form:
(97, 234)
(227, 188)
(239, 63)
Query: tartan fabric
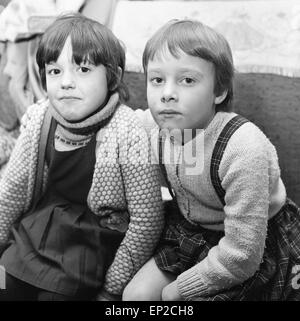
(218, 152)
(276, 278)
(184, 245)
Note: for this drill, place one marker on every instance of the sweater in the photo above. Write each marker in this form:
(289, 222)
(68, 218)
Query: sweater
(123, 182)
(254, 192)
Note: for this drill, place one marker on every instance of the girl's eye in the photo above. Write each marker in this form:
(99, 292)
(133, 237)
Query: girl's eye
(156, 80)
(84, 69)
(53, 71)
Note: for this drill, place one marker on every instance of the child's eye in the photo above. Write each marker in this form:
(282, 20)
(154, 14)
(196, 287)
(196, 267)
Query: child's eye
(156, 80)
(53, 71)
(188, 81)
(84, 69)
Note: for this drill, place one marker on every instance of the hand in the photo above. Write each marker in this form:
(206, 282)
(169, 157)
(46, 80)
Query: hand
(171, 293)
(105, 296)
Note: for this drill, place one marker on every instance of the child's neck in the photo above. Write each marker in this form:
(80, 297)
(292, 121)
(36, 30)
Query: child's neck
(97, 111)
(193, 132)
(92, 123)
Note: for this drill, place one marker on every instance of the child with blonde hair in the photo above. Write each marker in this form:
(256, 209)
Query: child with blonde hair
(231, 232)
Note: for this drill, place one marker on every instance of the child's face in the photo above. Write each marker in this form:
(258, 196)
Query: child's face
(76, 91)
(180, 91)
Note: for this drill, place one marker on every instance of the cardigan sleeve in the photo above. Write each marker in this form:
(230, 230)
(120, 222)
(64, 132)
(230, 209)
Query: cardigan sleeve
(246, 172)
(14, 183)
(142, 191)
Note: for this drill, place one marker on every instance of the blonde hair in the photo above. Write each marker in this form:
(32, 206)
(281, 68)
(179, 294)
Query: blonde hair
(196, 39)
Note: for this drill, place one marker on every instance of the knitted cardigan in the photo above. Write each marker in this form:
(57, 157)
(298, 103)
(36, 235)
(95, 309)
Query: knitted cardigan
(254, 192)
(123, 181)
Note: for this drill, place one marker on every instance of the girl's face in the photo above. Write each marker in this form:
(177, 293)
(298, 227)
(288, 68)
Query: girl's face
(180, 91)
(75, 91)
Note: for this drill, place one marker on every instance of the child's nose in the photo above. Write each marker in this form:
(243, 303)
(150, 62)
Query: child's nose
(67, 80)
(169, 93)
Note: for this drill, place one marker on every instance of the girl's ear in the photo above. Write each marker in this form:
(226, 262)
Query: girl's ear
(221, 98)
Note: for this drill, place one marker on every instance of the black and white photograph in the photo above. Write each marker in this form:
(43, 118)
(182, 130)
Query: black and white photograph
(150, 154)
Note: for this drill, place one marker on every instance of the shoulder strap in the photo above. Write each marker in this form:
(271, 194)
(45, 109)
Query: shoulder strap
(38, 184)
(162, 165)
(218, 152)
(217, 155)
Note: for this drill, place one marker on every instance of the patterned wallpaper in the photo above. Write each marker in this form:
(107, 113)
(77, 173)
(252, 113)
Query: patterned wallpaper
(264, 34)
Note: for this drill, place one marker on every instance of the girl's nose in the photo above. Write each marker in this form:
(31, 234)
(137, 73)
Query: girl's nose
(67, 80)
(169, 93)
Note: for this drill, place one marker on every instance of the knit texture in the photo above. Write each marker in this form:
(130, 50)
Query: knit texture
(254, 192)
(72, 135)
(123, 182)
(91, 124)
(7, 143)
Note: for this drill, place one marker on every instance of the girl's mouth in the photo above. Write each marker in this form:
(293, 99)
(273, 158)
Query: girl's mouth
(69, 98)
(169, 112)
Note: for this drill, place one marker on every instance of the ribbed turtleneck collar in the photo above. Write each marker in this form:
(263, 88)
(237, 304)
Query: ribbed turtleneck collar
(91, 124)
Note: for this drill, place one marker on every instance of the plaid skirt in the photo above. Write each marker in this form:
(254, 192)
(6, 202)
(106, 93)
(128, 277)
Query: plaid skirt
(183, 245)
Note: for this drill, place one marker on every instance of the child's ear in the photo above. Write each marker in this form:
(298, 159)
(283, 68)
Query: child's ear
(221, 98)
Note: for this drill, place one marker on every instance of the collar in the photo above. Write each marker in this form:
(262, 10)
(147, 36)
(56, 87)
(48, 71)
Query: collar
(91, 124)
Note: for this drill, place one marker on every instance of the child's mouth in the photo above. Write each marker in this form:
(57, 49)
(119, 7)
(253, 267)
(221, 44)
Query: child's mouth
(69, 98)
(169, 112)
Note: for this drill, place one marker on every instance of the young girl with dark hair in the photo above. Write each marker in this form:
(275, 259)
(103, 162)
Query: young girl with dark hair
(99, 216)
